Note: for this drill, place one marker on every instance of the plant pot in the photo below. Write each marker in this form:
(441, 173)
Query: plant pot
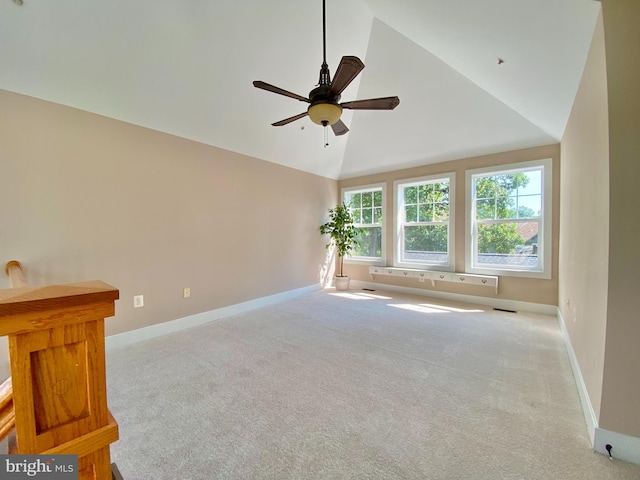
(342, 283)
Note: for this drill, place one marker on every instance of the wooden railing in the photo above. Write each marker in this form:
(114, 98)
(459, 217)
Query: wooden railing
(56, 397)
(7, 414)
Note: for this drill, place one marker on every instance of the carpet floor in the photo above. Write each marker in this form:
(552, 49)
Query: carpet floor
(355, 385)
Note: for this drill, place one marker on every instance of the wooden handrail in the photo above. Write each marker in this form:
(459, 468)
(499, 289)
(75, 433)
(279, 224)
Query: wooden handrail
(7, 414)
(13, 269)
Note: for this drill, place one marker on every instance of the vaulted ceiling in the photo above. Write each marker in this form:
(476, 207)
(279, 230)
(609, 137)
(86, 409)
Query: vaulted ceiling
(186, 68)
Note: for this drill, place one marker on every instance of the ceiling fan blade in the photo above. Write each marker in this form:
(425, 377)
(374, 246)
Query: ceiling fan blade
(384, 103)
(271, 88)
(339, 128)
(348, 69)
(290, 119)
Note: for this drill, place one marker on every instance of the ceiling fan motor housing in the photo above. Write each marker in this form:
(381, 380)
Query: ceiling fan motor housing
(324, 109)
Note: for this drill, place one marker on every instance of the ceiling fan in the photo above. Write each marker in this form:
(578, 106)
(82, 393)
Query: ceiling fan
(324, 108)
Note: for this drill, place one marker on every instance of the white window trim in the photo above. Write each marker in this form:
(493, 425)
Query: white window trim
(544, 251)
(365, 188)
(397, 224)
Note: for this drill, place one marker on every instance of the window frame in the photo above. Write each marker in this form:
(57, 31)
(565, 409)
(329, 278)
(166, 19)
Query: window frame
(399, 223)
(363, 189)
(543, 269)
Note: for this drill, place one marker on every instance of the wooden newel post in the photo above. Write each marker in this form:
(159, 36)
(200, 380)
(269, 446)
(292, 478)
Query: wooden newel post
(13, 269)
(57, 350)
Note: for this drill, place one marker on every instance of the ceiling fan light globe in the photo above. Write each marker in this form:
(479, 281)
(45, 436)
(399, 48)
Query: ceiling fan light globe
(324, 113)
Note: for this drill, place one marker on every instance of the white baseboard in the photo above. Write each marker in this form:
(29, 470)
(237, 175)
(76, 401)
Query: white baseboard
(153, 331)
(587, 408)
(624, 447)
(459, 297)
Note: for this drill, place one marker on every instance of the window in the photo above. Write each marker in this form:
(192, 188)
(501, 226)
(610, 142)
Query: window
(367, 207)
(424, 222)
(509, 214)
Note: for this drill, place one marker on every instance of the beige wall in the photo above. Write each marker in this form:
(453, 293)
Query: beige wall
(620, 409)
(584, 224)
(599, 256)
(511, 288)
(85, 197)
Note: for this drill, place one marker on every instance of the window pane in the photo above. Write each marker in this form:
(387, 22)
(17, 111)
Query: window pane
(441, 192)
(410, 195)
(485, 209)
(411, 213)
(424, 194)
(506, 207)
(377, 215)
(517, 195)
(426, 213)
(423, 230)
(508, 244)
(367, 216)
(367, 199)
(485, 187)
(353, 200)
(507, 184)
(530, 183)
(529, 206)
(369, 243)
(445, 197)
(507, 219)
(366, 206)
(426, 243)
(441, 212)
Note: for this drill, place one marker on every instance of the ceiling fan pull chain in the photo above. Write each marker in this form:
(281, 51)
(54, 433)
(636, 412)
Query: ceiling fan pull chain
(326, 137)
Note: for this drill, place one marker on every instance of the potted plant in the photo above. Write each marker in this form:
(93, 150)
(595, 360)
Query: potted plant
(343, 235)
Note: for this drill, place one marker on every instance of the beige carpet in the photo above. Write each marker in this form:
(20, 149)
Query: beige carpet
(354, 386)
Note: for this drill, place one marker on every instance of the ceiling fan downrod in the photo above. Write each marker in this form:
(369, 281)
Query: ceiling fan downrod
(325, 76)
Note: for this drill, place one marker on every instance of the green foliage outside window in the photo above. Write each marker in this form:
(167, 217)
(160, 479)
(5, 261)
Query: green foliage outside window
(426, 203)
(496, 200)
(369, 243)
(499, 238)
(366, 208)
(426, 238)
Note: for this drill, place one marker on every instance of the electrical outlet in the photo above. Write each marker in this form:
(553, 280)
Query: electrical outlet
(138, 301)
(186, 292)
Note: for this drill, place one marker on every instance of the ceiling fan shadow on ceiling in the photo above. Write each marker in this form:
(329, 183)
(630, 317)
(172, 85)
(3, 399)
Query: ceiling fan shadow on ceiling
(324, 107)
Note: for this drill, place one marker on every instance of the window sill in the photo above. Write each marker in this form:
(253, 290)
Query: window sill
(425, 267)
(510, 273)
(365, 261)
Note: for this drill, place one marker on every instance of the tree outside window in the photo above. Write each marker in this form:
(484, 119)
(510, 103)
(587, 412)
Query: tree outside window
(424, 218)
(507, 219)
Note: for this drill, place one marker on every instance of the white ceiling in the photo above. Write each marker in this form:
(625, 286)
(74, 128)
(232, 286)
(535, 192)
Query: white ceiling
(186, 68)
